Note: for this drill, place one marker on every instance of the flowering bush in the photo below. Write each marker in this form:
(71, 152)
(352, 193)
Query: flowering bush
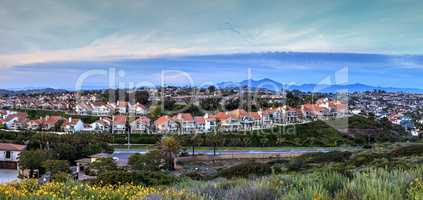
(29, 189)
(369, 184)
(415, 191)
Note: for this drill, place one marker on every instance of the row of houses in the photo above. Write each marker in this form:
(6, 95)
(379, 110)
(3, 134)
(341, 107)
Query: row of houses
(116, 124)
(235, 120)
(105, 109)
(45, 102)
(241, 120)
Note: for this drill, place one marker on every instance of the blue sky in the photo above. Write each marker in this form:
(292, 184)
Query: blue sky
(50, 43)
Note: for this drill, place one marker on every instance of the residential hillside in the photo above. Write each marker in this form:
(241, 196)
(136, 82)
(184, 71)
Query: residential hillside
(355, 130)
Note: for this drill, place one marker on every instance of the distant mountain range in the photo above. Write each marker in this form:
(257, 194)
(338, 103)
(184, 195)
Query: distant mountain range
(323, 88)
(30, 91)
(266, 83)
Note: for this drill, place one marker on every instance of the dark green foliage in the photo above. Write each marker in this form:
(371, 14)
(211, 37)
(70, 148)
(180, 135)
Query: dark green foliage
(246, 169)
(15, 137)
(296, 164)
(95, 148)
(64, 151)
(194, 110)
(321, 157)
(33, 159)
(70, 146)
(410, 150)
(144, 178)
(115, 177)
(169, 104)
(197, 176)
(293, 99)
(210, 104)
(87, 119)
(56, 166)
(232, 104)
(151, 161)
(142, 97)
(103, 164)
(278, 161)
(364, 158)
(36, 114)
(62, 177)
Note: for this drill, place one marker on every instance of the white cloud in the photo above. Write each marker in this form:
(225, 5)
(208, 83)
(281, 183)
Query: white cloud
(156, 44)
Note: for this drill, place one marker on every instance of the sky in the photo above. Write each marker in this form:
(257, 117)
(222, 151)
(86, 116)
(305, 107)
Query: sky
(55, 43)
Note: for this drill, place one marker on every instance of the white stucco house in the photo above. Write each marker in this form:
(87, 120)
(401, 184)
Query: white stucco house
(73, 125)
(9, 155)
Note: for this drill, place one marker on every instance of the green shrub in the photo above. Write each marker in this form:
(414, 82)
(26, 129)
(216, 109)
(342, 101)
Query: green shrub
(378, 184)
(324, 157)
(415, 190)
(56, 166)
(246, 169)
(278, 161)
(364, 158)
(61, 177)
(410, 150)
(296, 164)
(115, 177)
(143, 178)
(196, 176)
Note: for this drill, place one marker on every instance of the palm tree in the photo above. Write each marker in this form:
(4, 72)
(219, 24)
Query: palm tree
(169, 146)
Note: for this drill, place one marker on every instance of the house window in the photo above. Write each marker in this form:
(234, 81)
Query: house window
(8, 155)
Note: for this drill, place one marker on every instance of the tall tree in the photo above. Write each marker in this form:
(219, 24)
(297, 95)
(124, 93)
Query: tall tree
(142, 97)
(103, 164)
(170, 147)
(56, 166)
(151, 161)
(33, 160)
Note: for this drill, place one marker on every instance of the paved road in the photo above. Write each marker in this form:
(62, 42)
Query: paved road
(7, 175)
(124, 154)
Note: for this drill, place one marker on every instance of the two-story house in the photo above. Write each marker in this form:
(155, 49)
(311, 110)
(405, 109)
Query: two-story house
(9, 155)
(141, 124)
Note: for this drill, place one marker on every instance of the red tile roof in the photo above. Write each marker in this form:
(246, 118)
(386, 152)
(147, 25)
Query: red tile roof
(238, 113)
(187, 117)
(52, 120)
(143, 120)
(119, 119)
(72, 121)
(254, 115)
(312, 108)
(12, 147)
(21, 117)
(221, 116)
(37, 121)
(161, 120)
